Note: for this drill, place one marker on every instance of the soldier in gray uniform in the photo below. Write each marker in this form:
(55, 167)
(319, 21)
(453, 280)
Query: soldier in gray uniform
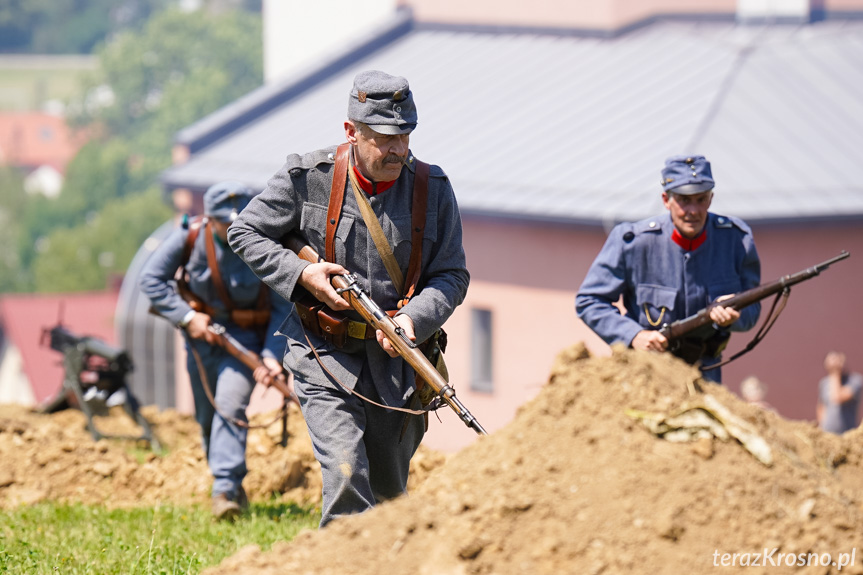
(670, 267)
(251, 314)
(364, 450)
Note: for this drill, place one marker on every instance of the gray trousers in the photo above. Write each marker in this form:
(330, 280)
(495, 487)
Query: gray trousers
(357, 444)
(224, 443)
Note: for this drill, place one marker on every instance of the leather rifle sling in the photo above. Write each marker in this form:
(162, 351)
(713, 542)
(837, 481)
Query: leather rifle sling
(378, 236)
(418, 224)
(194, 227)
(337, 194)
(215, 274)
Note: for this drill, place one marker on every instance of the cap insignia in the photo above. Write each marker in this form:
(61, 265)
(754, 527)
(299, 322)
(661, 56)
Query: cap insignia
(361, 96)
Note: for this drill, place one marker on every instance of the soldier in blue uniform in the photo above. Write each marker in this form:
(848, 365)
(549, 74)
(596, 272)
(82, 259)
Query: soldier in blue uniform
(218, 287)
(672, 266)
(364, 449)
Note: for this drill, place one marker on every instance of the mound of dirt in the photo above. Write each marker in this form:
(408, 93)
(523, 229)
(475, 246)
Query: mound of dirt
(53, 457)
(577, 484)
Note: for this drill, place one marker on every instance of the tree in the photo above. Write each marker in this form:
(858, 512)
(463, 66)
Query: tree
(13, 274)
(180, 56)
(87, 256)
(97, 174)
(67, 26)
(177, 69)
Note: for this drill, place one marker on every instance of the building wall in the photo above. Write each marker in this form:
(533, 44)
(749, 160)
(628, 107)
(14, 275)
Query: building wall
(598, 14)
(298, 33)
(822, 314)
(527, 275)
(607, 14)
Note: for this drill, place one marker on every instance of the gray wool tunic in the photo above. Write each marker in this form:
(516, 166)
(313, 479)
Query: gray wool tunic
(296, 200)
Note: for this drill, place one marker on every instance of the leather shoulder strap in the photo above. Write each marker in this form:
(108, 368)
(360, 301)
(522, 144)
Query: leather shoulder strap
(419, 207)
(213, 264)
(194, 227)
(337, 195)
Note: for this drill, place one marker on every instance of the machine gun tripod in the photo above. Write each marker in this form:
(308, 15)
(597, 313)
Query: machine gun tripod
(94, 372)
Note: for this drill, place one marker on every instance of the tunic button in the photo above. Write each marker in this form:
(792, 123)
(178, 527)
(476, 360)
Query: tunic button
(330, 156)
(652, 224)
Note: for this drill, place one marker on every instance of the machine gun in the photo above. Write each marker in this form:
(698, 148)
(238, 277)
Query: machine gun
(694, 337)
(95, 375)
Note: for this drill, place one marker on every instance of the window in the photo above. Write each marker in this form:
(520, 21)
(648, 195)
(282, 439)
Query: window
(481, 346)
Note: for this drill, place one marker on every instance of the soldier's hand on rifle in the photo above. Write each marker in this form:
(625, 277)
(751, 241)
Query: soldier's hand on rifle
(724, 316)
(316, 279)
(649, 340)
(197, 328)
(266, 373)
(407, 324)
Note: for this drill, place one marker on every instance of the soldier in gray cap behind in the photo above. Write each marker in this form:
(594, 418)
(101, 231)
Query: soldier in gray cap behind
(218, 286)
(410, 211)
(670, 267)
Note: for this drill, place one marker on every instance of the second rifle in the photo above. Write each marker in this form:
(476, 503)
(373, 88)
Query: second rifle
(676, 331)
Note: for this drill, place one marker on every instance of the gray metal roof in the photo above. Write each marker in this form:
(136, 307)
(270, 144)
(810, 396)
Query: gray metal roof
(576, 129)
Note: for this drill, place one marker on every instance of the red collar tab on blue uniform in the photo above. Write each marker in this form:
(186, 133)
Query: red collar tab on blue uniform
(369, 187)
(689, 244)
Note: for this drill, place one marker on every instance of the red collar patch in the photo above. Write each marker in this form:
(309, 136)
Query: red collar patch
(686, 243)
(369, 187)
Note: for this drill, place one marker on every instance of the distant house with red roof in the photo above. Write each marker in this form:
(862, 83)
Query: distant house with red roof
(40, 144)
(32, 373)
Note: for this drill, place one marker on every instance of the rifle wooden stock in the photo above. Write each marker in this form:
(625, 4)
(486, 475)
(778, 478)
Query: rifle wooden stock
(746, 298)
(347, 286)
(250, 359)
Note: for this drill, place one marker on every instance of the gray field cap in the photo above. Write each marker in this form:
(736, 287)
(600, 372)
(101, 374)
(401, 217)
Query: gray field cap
(223, 201)
(687, 175)
(384, 103)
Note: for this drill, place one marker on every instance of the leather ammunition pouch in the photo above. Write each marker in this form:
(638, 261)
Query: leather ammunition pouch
(248, 318)
(332, 326)
(433, 348)
(692, 349)
(245, 318)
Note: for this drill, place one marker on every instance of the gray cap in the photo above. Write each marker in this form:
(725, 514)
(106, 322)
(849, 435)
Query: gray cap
(223, 201)
(384, 103)
(687, 175)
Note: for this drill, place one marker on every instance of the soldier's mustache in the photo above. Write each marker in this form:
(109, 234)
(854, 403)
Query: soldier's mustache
(394, 159)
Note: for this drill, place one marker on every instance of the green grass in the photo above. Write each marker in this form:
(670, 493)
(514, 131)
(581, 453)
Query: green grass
(77, 539)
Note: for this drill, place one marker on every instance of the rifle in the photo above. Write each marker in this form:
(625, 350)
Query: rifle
(376, 317)
(714, 342)
(250, 359)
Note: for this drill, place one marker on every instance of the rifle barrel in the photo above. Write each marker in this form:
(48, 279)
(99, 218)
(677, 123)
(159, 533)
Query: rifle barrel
(746, 298)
